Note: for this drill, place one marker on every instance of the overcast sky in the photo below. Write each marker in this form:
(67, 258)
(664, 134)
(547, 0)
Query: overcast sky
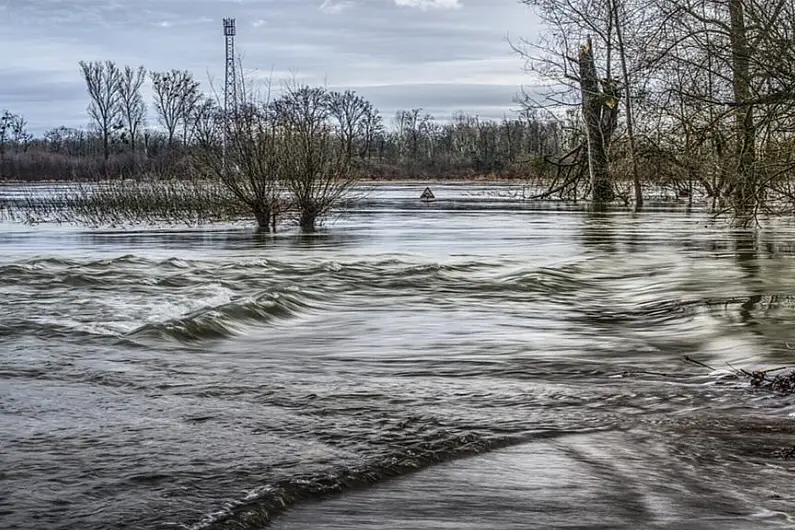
(441, 55)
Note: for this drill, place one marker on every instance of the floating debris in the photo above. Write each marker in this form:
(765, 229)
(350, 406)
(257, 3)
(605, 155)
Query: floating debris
(786, 454)
(780, 382)
(784, 383)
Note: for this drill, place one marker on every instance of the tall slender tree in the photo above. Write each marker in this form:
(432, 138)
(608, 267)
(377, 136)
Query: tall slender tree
(102, 82)
(133, 108)
(175, 95)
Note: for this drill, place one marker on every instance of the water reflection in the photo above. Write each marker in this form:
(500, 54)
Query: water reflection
(745, 251)
(598, 231)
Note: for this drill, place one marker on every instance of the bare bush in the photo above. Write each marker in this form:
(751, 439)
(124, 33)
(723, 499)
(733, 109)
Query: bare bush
(243, 153)
(315, 163)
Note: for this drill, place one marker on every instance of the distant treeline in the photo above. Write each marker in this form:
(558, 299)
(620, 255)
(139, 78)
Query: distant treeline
(124, 141)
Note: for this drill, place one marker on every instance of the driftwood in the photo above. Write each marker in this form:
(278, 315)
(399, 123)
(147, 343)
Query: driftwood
(783, 383)
(780, 382)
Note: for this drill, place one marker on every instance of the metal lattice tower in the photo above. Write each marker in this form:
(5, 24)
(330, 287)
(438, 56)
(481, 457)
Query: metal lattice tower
(230, 84)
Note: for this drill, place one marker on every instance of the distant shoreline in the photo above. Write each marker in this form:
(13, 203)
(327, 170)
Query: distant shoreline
(363, 182)
(444, 182)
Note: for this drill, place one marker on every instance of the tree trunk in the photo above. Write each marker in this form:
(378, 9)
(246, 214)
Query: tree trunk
(308, 219)
(592, 104)
(745, 191)
(263, 217)
(106, 144)
(628, 107)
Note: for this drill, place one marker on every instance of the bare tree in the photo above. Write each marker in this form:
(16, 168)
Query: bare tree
(133, 108)
(617, 8)
(102, 82)
(241, 154)
(14, 132)
(744, 115)
(598, 109)
(351, 113)
(175, 94)
(192, 105)
(6, 121)
(19, 133)
(728, 67)
(577, 56)
(412, 126)
(315, 164)
(372, 126)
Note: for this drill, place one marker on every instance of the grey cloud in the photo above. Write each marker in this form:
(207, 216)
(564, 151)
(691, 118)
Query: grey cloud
(440, 99)
(400, 54)
(444, 100)
(430, 4)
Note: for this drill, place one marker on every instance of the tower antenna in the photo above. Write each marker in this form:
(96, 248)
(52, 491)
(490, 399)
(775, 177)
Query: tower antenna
(230, 81)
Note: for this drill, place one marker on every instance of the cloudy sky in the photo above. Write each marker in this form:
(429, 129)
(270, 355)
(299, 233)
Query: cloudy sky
(441, 55)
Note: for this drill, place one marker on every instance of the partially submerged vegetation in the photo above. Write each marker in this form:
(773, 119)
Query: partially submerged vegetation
(697, 94)
(281, 156)
(126, 201)
(693, 96)
(286, 158)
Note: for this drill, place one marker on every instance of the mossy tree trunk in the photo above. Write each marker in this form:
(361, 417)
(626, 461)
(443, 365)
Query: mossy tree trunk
(598, 125)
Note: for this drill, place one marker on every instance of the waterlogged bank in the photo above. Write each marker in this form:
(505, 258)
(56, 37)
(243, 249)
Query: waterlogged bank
(164, 378)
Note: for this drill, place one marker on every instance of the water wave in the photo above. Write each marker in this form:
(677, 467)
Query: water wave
(228, 319)
(261, 506)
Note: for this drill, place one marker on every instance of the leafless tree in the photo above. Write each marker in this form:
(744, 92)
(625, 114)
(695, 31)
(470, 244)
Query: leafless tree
(729, 67)
(630, 42)
(617, 7)
(372, 126)
(351, 112)
(243, 155)
(6, 121)
(102, 82)
(175, 93)
(133, 108)
(193, 101)
(19, 133)
(315, 164)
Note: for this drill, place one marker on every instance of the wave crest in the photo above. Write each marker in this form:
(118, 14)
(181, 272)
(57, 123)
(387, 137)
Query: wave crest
(260, 507)
(228, 319)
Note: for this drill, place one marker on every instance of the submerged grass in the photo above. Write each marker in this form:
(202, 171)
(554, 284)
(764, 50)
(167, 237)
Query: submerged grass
(123, 202)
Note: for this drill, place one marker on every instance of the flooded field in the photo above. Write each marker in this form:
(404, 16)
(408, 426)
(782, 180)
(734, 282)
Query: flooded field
(477, 362)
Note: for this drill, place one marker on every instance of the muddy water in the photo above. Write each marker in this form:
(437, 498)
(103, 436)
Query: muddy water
(473, 363)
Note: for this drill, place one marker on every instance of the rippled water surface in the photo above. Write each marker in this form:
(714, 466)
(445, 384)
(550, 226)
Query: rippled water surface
(473, 363)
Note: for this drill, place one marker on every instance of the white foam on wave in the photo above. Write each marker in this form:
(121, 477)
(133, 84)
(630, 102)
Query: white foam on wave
(119, 313)
(147, 310)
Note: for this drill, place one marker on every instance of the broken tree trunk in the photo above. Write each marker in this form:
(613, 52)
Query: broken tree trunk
(592, 106)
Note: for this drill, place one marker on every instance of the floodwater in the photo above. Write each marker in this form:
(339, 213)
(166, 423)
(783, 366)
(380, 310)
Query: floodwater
(472, 364)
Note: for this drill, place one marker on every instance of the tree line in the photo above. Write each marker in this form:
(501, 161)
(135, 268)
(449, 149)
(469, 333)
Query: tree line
(634, 94)
(698, 93)
(124, 140)
(292, 153)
